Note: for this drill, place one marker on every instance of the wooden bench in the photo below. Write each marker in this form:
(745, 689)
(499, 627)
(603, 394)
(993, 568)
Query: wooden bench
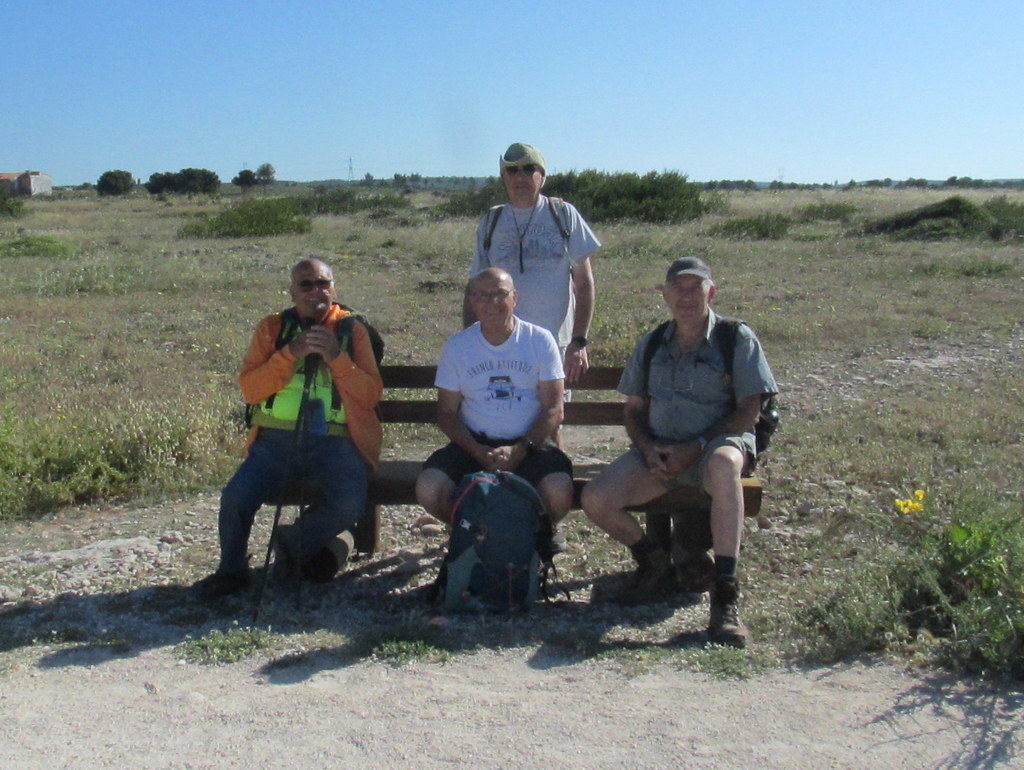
(395, 481)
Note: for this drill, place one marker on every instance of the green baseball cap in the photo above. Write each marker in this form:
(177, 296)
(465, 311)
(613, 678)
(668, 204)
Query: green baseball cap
(519, 154)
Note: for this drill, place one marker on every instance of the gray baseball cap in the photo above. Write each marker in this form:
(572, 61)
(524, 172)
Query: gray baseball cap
(689, 266)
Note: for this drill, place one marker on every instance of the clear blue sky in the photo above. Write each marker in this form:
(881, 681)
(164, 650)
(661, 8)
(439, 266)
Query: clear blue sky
(716, 89)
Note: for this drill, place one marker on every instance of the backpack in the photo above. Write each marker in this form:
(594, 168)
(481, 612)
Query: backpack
(494, 558)
(558, 212)
(343, 332)
(724, 336)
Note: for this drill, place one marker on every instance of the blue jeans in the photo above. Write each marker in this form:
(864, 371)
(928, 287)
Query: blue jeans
(328, 463)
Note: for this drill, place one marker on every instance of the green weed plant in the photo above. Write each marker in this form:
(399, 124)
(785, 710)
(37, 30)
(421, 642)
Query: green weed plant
(220, 647)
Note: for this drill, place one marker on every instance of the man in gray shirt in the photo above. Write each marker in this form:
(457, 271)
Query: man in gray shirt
(691, 423)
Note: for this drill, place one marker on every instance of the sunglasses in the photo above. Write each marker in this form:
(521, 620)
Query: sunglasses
(529, 169)
(320, 283)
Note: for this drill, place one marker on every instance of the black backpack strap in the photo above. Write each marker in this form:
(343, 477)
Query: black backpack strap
(648, 355)
(726, 330)
(493, 215)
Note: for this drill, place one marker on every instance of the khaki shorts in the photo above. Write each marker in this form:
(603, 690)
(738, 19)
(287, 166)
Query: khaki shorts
(694, 475)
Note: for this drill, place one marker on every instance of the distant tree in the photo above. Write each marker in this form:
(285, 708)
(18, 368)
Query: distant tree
(265, 174)
(165, 182)
(189, 180)
(199, 180)
(245, 179)
(115, 183)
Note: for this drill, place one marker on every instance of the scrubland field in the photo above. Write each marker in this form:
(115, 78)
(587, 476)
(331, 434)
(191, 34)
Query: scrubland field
(899, 363)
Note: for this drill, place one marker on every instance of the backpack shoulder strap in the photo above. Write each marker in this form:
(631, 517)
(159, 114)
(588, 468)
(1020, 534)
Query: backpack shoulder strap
(726, 330)
(493, 215)
(289, 323)
(560, 214)
(648, 355)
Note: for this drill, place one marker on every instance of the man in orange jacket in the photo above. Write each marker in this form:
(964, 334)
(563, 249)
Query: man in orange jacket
(339, 448)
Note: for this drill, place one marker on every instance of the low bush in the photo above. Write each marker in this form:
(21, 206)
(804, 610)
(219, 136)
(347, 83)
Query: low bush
(45, 246)
(345, 201)
(665, 198)
(1009, 217)
(763, 227)
(948, 585)
(10, 206)
(954, 217)
(255, 218)
(826, 212)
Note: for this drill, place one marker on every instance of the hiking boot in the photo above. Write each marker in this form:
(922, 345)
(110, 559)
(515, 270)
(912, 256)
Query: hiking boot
(654, 577)
(220, 584)
(725, 626)
(695, 570)
(324, 565)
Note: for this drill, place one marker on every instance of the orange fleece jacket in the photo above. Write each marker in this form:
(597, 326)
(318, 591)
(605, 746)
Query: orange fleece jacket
(265, 370)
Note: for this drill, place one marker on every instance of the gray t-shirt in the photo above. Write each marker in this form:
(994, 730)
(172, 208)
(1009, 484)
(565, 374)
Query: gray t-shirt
(691, 391)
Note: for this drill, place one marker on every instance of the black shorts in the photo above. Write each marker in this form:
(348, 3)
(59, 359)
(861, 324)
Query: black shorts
(455, 462)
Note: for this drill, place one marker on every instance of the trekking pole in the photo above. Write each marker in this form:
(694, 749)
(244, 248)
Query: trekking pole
(311, 364)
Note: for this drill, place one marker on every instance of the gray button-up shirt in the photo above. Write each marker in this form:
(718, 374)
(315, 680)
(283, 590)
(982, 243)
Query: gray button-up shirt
(691, 391)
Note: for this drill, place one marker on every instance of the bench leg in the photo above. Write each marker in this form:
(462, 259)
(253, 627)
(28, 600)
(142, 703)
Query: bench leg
(366, 533)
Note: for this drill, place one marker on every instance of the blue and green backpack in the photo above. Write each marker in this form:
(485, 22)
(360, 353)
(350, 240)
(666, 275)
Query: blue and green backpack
(498, 530)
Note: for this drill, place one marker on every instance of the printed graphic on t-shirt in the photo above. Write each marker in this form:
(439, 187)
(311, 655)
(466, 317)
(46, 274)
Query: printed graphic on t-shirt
(500, 388)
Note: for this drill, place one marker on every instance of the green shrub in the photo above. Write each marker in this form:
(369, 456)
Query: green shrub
(255, 218)
(10, 206)
(762, 227)
(1009, 217)
(666, 198)
(342, 200)
(971, 267)
(826, 212)
(954, 217)
(949, 583)
(45, 246)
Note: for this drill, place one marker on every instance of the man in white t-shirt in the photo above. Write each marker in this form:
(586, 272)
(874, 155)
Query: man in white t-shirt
(546, 245)
(499, 400)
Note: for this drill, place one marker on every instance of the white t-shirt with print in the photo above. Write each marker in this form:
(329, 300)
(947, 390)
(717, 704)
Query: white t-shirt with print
(499, 383)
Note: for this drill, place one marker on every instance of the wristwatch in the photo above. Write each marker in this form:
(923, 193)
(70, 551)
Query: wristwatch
(580, 342)
(528, 445)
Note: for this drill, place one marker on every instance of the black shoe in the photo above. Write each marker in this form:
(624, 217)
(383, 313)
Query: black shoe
(654, 578)
(725, 626)
(220, 584)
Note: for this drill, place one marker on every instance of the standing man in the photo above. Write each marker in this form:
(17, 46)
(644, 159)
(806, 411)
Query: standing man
(338, 451)
(499, 398)
(546, 245)
(690, 424)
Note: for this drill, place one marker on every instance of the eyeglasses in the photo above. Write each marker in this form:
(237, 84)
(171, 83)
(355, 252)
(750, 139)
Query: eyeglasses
(529, 169)
(490, 296)
(320, 283)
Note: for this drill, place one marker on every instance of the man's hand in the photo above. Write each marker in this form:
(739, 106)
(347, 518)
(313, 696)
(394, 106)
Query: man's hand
(576, 362)
(667, 460)
(503, 458)
(316, 339)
